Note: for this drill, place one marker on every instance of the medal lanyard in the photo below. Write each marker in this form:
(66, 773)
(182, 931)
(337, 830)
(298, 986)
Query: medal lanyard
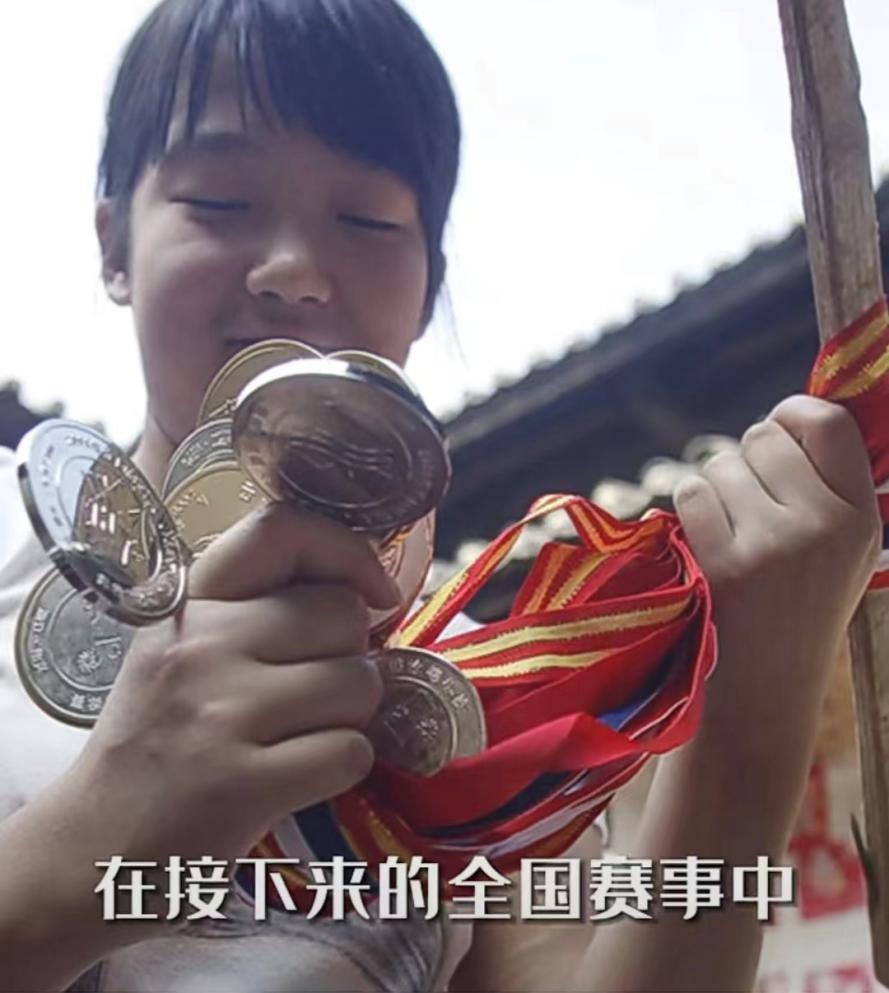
(590, 624)
(619, 626)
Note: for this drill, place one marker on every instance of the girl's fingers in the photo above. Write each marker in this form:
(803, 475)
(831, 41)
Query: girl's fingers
(781, 465)
(282, 702)
(829, 436)
(305, 622)
(745, 498)
(282, 544)
(704, 518)
(745, 503)
(301, 772)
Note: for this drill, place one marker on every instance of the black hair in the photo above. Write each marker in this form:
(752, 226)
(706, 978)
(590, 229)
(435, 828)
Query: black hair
(360, 74)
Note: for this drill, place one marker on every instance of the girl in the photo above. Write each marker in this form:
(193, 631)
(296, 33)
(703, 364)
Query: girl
(283, 168)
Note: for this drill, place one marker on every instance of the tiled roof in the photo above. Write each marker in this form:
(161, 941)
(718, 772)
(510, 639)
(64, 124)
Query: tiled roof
(622, 498)
(767, 266)
(16, 419)
(714, 359)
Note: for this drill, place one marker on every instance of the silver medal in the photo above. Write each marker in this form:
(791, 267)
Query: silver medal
(68, 653)
(101, 522)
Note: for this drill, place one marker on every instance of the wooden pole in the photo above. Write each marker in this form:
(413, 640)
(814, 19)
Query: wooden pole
(832, 151)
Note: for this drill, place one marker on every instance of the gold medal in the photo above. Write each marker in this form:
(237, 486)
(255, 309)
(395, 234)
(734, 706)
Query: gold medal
(222, 393)
(379, 365)
(347, 437)
(211, 442)
(430, 714)
(210, 502)
(406, 558)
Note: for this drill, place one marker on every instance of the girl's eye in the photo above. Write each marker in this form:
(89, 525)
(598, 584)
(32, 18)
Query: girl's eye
(369, 223)
(219, 206)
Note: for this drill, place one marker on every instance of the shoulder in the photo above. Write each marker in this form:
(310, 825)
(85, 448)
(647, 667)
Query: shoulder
(34, 748)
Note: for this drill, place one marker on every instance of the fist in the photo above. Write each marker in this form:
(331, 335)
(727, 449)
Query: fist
(252, 702)
(787, 531)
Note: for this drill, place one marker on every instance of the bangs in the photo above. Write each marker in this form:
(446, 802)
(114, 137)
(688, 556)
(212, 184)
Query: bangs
(358, 73)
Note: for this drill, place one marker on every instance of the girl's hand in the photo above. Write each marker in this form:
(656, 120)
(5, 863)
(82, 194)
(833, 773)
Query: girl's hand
(251, 702)
(788, 533)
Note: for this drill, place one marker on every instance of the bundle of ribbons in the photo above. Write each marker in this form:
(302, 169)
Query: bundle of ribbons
(600, 664)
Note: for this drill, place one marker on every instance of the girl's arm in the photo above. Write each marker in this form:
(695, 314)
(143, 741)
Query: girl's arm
(521, 955)
(51, 926)
(714, 799)
(248, 704)
(788, 533)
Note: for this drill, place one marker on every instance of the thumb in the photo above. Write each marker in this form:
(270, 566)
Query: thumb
(281, 544)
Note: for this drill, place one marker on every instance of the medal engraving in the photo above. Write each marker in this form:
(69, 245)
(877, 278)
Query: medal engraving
(341, 441)
(430, 714)
(347, 437)
(211, 442)
(222, 393)
(68, 653)
(206, 505)
(101, 522)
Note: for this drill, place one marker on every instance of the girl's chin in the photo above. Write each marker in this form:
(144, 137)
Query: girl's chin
(163, 430)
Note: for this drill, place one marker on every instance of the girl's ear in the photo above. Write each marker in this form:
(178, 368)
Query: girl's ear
(112, 234)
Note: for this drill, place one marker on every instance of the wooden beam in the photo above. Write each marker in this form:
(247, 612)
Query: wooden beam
(831, 141)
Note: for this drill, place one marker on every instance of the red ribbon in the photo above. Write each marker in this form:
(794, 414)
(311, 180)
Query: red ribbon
(600, 664)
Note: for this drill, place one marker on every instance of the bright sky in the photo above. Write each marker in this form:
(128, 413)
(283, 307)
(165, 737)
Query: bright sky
(614, 149)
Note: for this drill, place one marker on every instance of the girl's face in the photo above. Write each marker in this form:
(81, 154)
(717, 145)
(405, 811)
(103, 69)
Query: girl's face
(249, 233)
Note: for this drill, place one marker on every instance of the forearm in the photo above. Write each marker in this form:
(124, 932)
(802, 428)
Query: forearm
(51, 926)
(523, 956)
(787, 533)
(705, 801)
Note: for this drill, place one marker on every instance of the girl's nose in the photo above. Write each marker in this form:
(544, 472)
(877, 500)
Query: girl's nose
(291, 275)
